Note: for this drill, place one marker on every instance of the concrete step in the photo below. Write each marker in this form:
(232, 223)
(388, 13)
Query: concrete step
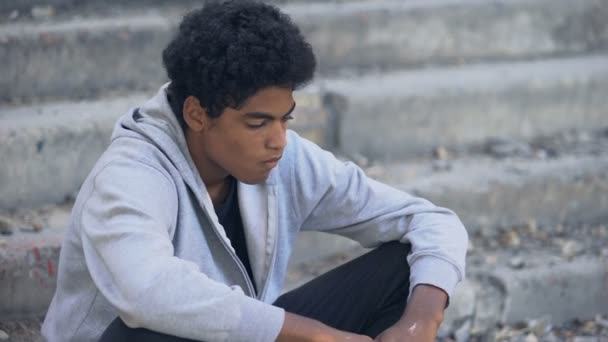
(47, 150)
(491, 196)
(400, 115)
(82, 55)
(487, 193)
(28, 262)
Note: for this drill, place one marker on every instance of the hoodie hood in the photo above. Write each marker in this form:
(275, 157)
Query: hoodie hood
(156, 123)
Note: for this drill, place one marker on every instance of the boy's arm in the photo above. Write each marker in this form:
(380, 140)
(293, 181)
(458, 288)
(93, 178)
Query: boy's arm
(337, 197)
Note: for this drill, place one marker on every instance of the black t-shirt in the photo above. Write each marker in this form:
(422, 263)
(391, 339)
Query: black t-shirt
(229, 215)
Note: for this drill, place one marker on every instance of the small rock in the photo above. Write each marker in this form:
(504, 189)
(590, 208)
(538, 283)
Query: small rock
(3, 243)
(485, 335)
(13, 15)
(470, 247)
(33, 224)
(464, 332)
(37, 226)
(510, 238)
(531, 338)
(360, 160)
(49, 39)
(491, 259)
(568, 137)
(602, 231)
(540, 327)
(532, 227)
(487, 232)
(550, 337)
(517, 262)
(568, 334)
(27, 229)
(40, 12)
(7, 226)
(441, 165)
(3, 335)
(590, 327)
(504, 334)
(601, 321)
(585, 339)
(441, 153)
(519, 169)
(542, 235)
(570, 248)
(444, 331)
(503, 147)
(541, 154)
(376, 171)
(584, 137)
(124, 35)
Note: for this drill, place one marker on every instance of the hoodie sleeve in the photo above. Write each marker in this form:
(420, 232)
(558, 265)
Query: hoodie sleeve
(341, 199)
(126, 226)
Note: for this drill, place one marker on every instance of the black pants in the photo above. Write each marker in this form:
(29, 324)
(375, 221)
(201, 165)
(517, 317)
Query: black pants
(365, 296)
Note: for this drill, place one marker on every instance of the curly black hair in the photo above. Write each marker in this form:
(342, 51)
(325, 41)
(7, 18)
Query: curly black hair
(226, 51)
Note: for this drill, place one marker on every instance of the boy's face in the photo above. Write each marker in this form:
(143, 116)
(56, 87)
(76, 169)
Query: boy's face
(246, 142)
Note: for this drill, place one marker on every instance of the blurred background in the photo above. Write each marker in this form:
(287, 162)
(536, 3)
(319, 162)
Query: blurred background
(497, 109)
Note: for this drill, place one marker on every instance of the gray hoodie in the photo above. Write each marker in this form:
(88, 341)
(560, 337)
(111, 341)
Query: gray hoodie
(144, 242)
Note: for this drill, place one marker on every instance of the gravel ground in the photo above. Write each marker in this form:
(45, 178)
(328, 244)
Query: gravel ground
(21, 330)
(572, 142)
(595, 330)
(510, 245)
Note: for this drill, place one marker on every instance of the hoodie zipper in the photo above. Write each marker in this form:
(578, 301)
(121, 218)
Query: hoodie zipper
(244, 273)
(274, 247)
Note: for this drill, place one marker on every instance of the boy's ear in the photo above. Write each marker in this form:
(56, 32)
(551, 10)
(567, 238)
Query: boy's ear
(195, 115)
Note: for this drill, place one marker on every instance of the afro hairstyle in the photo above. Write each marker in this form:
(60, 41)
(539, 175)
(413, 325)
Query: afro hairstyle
(226, 51)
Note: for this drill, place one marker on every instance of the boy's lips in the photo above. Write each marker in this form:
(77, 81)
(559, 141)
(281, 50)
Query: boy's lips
(271, 163)
(272, 160)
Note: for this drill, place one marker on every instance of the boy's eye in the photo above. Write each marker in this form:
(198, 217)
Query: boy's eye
(287, 118)
(256, 124)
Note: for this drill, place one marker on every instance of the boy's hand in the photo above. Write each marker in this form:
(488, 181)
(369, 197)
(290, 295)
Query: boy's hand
(410, 330)
(302, 329)
(422, 317)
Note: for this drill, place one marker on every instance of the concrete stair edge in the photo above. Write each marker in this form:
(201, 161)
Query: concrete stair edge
(422, 109)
